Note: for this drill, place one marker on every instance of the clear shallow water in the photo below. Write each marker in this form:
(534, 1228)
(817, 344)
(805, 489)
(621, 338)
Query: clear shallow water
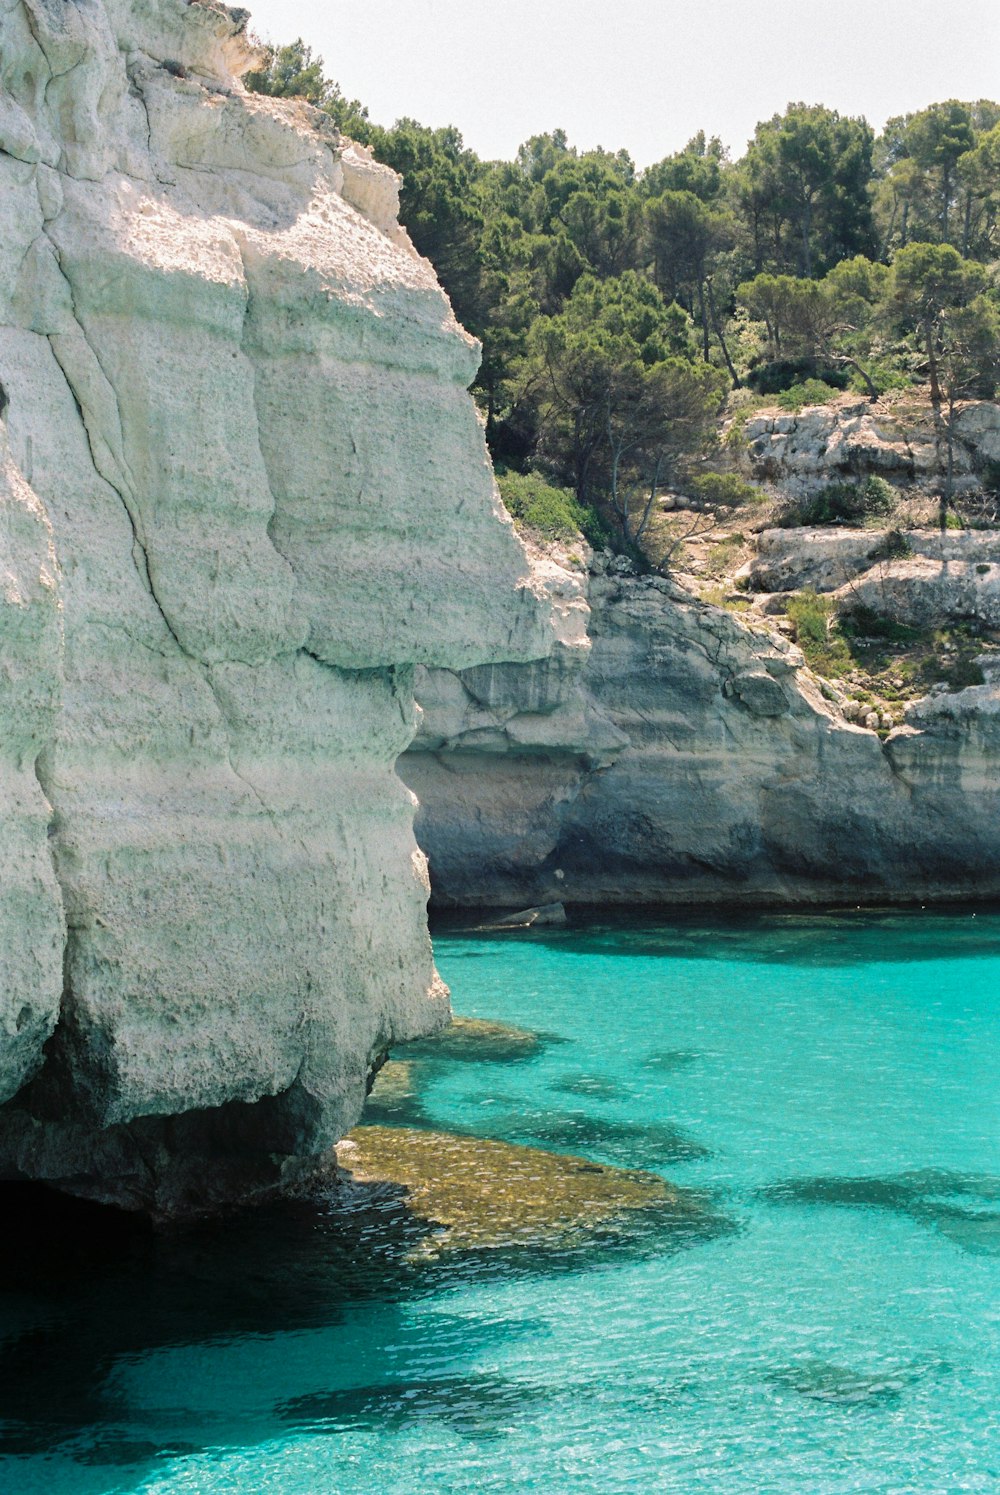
(833, 1082)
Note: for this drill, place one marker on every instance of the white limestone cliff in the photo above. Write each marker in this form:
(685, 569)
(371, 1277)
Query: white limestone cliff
(243, 491)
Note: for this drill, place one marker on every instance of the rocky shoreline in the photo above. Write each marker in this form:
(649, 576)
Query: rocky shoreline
(688, 755)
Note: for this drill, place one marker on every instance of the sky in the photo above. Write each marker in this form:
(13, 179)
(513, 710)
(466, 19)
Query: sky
(643, 74)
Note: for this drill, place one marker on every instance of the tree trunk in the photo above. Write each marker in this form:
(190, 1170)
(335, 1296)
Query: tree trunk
(619, 504)
(654, 483)
(852, 363)
(884, 251)
(583, 472)
(932, 372)
(702, 313)
(584, 446)
(718, 332)
(758, 248)
(579, 459)
(806, 230)
(946, 194)
(949, 482)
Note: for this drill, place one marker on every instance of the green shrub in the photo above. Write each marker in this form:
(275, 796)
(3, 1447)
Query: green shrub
(842, 503)
(894, 546)
(553, 512)
(809, 392)
(713, 488)
(811, 615)
(864, 622)
(884, 376)
(952, 521)
(735, 437)
(721, 597)
(877, 497)
(722, 554)
(781, 375)
(957, 665)
(963, 673)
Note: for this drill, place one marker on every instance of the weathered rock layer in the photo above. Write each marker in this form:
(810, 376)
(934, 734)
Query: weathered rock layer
(692, 759)
(242, 492)
(852, 438)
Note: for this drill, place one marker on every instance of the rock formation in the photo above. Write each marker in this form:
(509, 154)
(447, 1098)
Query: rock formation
(823, 443)
(244, 492)
(692, 759)
(928, 578)
(689, 756)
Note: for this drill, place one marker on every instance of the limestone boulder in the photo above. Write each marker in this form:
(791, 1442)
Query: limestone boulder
(851, 440)
(924, 592)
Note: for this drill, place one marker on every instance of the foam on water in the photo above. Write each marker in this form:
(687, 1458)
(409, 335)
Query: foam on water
(832, 1086)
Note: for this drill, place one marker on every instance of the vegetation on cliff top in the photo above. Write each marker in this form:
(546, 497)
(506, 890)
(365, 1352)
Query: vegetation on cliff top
(617, 308)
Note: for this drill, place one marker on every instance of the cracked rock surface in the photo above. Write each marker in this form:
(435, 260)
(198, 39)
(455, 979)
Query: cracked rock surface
(823, 443)
(243, 491)
(689, 759)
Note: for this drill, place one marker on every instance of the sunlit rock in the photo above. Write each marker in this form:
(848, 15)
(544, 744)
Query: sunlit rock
(478, 1194)
(702, 762)
(244, 492)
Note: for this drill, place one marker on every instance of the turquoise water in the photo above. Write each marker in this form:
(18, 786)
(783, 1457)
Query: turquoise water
(832, 1084)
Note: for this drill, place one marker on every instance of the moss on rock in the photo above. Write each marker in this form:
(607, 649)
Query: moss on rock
(476, 1038)
(479, 1194)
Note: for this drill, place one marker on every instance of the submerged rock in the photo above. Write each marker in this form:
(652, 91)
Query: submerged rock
(975, 1231)
(478, 1194)
(545, 914)
(671, 1061)
(394, 1099)
(397, 1100)
(597, 1086)
(478, 1039)
(948, 1201)
(650, 1144)
(824, 1382)
(477, 1406)
(397, 1088)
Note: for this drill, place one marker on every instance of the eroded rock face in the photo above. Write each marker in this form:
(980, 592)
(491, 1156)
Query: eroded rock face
(922, 579)
(714, 771)
(847, 440)
(32, 929)
(243, 492)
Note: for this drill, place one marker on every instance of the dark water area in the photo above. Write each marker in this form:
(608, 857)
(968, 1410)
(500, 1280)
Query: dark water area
(827, 1086)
